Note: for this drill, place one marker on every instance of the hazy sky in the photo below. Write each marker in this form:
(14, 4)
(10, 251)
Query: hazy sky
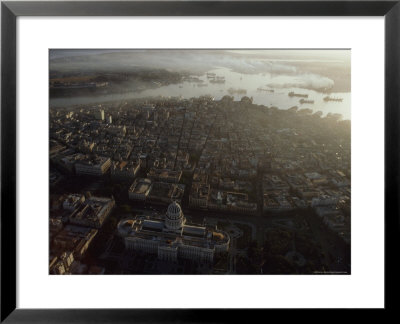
(325, 67)
(275, 54)
(194, 59)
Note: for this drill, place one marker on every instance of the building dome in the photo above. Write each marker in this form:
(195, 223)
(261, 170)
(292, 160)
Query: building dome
(174, 217)
(174, 211)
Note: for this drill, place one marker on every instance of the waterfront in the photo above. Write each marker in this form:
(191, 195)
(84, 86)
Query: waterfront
(233, 80)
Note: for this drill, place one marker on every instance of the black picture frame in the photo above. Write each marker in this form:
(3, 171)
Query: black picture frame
(11, 10)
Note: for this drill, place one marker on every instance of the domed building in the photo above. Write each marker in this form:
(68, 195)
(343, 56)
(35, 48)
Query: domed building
(171, 238)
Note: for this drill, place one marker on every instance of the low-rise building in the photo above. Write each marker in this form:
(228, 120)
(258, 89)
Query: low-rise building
(239, 202)
(164, 175)
(95, 166)
(199, 195)
(125, 170)
(308, 193)
(92, 212)
(276, 201)
(324, 200)
(139, 189)
(74, 238)
(164, 192)
(73, 201)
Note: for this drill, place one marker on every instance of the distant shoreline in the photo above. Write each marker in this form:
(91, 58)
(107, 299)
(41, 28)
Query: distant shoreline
(154, 98)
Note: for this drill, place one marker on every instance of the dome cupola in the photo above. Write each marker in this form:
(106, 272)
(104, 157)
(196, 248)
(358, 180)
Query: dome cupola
(174, 218)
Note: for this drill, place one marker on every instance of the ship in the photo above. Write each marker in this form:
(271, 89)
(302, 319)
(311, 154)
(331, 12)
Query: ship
(210, 75)
(303, 101)
(217, 81)
(327, 98)
(267, 90)
(292, 94)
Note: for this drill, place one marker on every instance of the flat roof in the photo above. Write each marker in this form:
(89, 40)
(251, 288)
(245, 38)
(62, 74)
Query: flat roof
(194, 230)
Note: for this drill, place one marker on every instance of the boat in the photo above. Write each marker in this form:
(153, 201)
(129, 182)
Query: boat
(267, 90)
(327, 98)
(217, 81)
(303, 101)
(292, 94)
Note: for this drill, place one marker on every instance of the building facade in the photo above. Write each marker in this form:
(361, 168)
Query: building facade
(92, 212)
(93, 166)
(170, 238)
(139, 189)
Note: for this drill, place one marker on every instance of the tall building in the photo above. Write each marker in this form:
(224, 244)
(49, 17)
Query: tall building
(170, 238)
(100, 114)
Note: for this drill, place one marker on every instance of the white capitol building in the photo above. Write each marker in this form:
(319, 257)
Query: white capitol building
(171, 239)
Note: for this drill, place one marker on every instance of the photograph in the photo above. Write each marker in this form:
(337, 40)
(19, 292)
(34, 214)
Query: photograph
(199, 161)
(158, 151)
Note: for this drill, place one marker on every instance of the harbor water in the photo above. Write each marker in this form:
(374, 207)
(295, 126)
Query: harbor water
(258, 86)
